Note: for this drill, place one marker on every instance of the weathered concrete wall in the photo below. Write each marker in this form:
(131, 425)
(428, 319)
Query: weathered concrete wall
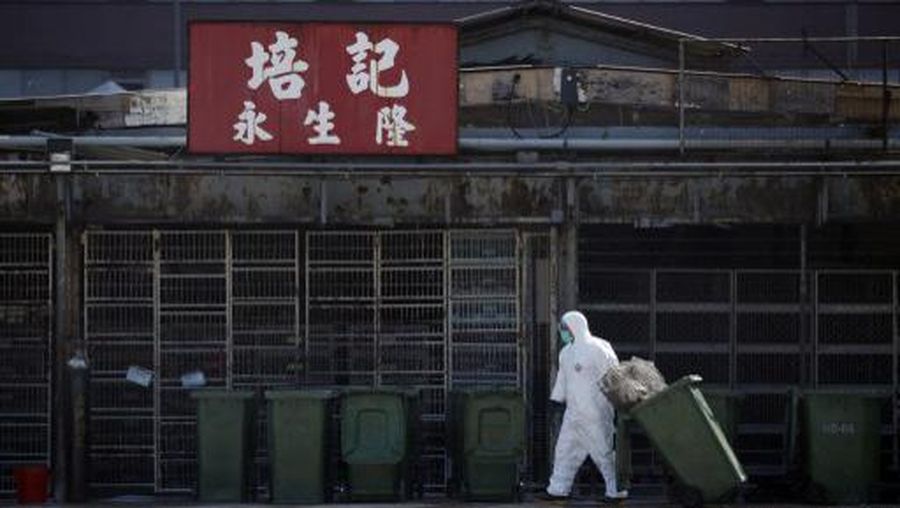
(27, 199)
(702, 93)
(383, 200)
(775, 200)
(198, 199)
(627, 200)
(351, 200)
(735, 200)
(875, 199)
(504, 199)
(109, 199)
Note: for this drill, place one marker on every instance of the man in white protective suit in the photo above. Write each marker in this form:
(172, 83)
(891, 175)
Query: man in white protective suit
(588, 426)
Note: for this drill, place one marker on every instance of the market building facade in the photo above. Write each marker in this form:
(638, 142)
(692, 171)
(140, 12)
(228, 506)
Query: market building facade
(715, 212)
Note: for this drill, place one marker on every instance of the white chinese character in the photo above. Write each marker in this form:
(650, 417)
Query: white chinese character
(388, 49)
(284, 73)
(257, 62)
(358, 80)
(323, 125)
(393, 122)
(247, 129)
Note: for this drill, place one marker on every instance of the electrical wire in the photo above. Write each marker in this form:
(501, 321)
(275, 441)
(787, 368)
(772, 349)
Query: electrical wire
(569, 113)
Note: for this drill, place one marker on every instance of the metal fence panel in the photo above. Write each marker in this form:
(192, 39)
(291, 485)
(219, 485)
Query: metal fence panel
(195, 288)
(175, 302)
(750, 330)
(26, 352)
(420, 309)
(121, 331)
(260, 309)
(854, 327)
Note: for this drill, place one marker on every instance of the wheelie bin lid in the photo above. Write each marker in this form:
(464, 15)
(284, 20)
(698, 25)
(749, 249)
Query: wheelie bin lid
(300, 394)
(487, 389)
(359, 390)
(218, 393)
(873, 393)
(692, 379)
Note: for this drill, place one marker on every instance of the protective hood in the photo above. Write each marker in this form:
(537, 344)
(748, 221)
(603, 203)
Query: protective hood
(577, 324)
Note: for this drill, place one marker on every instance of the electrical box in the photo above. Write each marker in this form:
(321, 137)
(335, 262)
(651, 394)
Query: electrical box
(568, 87)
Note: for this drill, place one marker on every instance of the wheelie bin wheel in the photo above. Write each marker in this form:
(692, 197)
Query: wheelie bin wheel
(452, 487)
(420, 489)
(687, 496)
(815, 493)
(518, 491)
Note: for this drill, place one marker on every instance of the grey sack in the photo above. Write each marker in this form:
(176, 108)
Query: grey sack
(631, 382)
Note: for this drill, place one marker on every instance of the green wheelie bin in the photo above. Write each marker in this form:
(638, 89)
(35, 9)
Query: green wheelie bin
(624, 470)
(487, 441)
(840, 435)
(226, 444)
(681, 426)
(377, 443)
(299, 423)
(724, 405)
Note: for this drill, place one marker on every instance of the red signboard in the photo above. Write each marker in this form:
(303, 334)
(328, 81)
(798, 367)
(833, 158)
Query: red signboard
(322, 88)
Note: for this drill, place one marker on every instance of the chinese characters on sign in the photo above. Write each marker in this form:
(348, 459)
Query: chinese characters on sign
(248, 128)
(323, 126)
(359, 81)
(284, 78)
(283, 73)
(322, 88)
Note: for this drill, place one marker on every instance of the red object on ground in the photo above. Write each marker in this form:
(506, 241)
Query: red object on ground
(31, 484)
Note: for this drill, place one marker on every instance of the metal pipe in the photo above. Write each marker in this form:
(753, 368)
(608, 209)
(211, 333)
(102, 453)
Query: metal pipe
(176, 41)
(662, 144)
(120, 141)
(506, 144)
(877, 38)
(885, 98)
(805, 308)
(681, 140)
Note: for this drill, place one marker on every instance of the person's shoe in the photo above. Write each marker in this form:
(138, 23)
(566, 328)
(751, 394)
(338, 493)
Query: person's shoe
(545, 497)
(619, 498)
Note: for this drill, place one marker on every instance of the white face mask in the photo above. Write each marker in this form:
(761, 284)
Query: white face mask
(565, 335)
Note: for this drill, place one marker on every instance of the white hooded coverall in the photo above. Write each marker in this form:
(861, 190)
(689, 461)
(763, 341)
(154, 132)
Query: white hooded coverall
(588, 425)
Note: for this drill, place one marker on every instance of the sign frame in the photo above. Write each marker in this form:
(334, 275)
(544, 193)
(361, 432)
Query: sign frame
(452, 113)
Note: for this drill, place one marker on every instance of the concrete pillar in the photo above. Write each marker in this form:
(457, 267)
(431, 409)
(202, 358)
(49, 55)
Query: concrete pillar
(70, 385)
(61, 341)
(568, 283)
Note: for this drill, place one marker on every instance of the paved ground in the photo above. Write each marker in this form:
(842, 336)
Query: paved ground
(575, 504)
(578, 503)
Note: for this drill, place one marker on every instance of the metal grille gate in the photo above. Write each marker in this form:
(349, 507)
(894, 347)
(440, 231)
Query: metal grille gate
(425, 309)
(539, 285)
(748, 330)
(175, 302)
(25, 352)
(430, 310)
(856, 339)
(120, 330)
